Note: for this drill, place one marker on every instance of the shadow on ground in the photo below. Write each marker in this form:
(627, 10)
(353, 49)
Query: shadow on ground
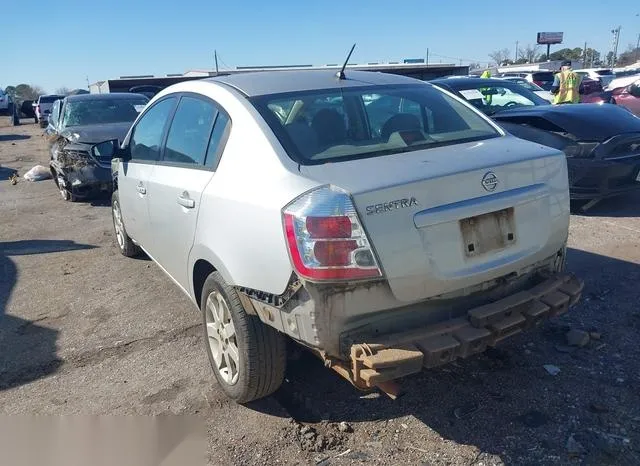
(503, 401)
(27, 350)
(625, 205)
(6, 173)
(13, 137)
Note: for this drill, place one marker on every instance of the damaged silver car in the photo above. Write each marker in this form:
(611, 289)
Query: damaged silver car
(80, 168)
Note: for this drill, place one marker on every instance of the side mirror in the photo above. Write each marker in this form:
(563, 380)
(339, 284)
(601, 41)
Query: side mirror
(634, 90)
(106, 149)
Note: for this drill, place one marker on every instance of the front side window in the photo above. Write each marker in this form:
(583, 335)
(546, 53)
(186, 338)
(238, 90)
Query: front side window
(53, 118)
(146, 139)
(343, 124)
(101, 111)
(189, 132)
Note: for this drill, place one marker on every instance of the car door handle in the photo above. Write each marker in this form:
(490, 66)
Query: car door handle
(185, 201)
(141, 189)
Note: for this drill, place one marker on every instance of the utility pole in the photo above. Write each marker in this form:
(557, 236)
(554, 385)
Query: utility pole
(584, 55)
(638, 47)
(616, 39)
(516, 58)
(427, 56)
(88, 85)
(215, 57)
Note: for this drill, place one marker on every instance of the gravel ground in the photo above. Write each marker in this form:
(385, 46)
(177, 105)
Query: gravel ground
(84, 330)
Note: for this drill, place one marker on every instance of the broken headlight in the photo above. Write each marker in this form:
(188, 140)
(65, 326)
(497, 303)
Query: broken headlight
(581, 149)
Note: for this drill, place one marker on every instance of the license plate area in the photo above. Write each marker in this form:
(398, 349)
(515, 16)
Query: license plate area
(488, 232)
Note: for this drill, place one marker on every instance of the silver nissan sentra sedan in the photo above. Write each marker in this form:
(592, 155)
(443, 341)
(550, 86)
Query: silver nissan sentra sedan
(381, 222)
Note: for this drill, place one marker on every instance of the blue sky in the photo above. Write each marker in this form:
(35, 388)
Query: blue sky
(74, 40)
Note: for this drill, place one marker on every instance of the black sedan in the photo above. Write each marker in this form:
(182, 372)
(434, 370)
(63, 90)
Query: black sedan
(76, 124)
(601, 141)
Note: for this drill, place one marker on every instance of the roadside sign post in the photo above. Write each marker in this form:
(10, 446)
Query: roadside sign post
(548, 38)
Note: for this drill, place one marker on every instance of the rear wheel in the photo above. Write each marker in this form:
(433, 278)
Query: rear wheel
(248, 358)
(125, 244)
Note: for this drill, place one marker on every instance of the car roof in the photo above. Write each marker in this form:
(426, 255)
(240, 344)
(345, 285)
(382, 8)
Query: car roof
(110, 96)
(278, 82)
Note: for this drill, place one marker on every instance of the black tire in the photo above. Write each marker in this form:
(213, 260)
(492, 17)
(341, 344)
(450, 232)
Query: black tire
(127, 247)
(261, 349)
(61, 184)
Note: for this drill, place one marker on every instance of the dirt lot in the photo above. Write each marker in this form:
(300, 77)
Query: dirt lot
(85, 330)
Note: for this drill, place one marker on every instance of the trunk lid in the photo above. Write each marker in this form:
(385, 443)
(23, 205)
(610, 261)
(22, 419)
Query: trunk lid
(422, 210)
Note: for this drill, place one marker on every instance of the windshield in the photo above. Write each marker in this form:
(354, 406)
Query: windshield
(101, 111)
(605, 73)
(343, 124)
(493, 98)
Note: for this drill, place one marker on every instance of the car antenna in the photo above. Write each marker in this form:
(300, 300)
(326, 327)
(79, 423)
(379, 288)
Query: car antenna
(340, 74)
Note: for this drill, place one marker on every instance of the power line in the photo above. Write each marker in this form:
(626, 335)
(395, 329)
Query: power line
(470, 60)
(224, 67)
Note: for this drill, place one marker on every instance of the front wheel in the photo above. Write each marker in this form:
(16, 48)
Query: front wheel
(248, 358)
(65, 193)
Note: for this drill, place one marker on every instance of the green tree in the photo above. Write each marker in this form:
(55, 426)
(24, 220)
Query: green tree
(629, 57)
(27, 92)
(567, 54)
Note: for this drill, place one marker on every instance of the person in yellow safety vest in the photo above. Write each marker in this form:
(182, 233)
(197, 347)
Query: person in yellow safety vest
(486, 74)
(566, 86)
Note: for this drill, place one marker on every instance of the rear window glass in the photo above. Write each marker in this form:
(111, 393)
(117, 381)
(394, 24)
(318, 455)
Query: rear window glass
(605, 72)
(49, 99)
(344, 124)
(543, 76)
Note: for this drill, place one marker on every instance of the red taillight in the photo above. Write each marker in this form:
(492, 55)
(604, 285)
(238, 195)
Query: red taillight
(38, 108)
(329, 227)
(325, 238)
(539, 83)
(334, 253)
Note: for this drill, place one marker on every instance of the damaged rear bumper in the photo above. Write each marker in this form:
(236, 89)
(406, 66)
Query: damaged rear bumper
(382, 359)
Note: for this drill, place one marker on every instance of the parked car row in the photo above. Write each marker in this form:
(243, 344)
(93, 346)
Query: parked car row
(404, 224)
(601, 142)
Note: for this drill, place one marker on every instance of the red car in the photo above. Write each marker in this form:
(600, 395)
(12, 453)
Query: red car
(592, 92)
(628, 97)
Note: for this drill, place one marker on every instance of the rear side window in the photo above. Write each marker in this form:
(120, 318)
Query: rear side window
(147, 135)
(218, 139)
(344, 124)
(189, 133)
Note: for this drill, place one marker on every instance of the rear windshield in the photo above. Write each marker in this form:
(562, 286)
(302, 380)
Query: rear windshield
(548, 76)
(49, 99)
(605, 73)
(101, 111)
(343, 124)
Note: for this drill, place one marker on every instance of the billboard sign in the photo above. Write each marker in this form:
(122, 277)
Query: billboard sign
(550, 37)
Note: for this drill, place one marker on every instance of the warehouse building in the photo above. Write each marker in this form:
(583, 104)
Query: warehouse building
(414, 68)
